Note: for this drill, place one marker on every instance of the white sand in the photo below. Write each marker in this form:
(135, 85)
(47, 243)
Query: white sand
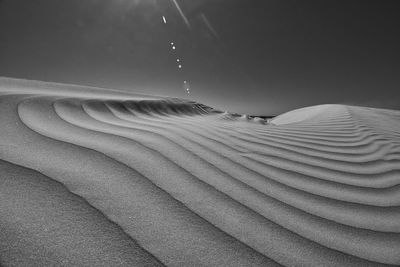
(95, 177)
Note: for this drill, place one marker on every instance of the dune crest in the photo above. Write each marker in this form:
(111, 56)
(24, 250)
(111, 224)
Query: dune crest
(120, 179)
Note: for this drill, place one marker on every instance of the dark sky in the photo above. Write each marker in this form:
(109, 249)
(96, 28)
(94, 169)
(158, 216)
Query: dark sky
(258, 57)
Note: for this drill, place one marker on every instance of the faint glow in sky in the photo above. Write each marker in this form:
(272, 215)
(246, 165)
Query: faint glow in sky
(209, 25)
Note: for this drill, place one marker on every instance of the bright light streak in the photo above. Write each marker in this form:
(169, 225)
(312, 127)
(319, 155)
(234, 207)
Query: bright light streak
(164, 19)
(182, 14)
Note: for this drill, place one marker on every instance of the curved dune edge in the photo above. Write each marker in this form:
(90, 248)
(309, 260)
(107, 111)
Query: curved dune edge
(119, 179)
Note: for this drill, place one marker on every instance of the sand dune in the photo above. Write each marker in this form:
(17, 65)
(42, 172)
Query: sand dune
(92, 177)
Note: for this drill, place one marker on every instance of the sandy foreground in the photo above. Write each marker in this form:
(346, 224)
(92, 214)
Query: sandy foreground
(93, 177)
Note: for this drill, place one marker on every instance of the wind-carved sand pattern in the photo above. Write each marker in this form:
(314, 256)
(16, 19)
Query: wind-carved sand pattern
(90, 177)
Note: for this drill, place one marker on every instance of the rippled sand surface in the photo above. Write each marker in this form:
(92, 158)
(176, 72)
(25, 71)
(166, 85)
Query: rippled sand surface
(92, 177)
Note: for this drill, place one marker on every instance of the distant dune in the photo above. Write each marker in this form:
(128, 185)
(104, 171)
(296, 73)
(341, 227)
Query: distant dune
(94, 177)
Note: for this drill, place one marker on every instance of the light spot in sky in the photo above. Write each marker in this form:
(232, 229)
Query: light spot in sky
(186, 86)
(178, 60)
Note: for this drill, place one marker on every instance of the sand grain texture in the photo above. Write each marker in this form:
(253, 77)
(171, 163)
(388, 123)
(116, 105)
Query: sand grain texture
(90, 177)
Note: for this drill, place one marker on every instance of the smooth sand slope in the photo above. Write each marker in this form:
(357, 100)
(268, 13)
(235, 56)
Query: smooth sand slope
(92, 177)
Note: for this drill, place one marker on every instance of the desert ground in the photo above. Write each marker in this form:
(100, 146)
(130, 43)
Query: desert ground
(96, 177)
